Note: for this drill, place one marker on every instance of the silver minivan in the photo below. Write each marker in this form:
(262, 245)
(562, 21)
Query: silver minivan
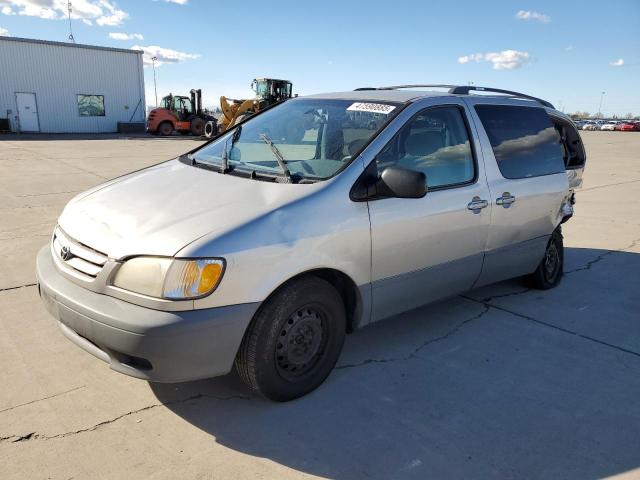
(265, 246)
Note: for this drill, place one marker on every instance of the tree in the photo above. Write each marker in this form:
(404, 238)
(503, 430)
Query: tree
(580, 115)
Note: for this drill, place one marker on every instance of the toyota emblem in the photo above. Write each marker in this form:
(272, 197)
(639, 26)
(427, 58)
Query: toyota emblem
(65, 253)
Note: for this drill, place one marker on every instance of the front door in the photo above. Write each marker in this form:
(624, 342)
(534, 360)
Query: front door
(432, 247)
(27, 112)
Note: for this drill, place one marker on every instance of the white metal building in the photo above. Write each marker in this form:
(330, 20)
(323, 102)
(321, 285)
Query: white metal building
(56, 87)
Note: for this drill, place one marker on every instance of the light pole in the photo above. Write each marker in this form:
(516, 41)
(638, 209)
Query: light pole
(600, 107)
(155, 88)
(71, 39)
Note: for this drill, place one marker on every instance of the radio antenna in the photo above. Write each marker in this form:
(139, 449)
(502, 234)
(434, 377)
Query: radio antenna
(73, 40)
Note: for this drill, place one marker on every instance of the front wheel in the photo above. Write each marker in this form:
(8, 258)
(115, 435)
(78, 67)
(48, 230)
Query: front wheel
(551, 268)
(294, 340)
(197, 126)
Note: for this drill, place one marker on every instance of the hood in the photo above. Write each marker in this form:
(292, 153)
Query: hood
(159, 210)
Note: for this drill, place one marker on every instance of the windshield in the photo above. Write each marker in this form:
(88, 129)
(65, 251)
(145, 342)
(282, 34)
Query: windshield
(299, 139)
(261, 89)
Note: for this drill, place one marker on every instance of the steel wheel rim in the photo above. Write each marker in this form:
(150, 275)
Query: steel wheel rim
(301, 343)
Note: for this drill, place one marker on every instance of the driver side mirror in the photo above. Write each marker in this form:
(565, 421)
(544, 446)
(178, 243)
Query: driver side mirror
(401, 183)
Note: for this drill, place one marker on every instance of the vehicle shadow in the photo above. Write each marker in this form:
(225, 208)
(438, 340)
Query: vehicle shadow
(498, 383)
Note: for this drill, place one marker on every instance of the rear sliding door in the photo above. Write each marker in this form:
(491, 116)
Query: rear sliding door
(528, 185)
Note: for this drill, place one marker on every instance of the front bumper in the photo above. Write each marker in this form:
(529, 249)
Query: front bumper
(154, 345)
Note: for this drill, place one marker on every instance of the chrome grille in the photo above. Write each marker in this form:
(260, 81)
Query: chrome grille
(77, 256)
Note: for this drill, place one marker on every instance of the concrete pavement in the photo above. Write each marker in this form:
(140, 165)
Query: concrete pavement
(502, 382)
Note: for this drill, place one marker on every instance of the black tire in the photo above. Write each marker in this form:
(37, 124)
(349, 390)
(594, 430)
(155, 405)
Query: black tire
(294, 340)
(197, 126)
(210, 129)
(165, 129)
(551, 268)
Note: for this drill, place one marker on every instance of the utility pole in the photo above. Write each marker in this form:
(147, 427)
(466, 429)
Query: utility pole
(155, 88)
(600, 107)
(71, 39)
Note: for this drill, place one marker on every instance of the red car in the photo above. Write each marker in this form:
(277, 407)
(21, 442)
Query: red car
(629, 127)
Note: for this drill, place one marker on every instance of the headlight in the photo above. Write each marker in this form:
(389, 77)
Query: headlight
(175, 279)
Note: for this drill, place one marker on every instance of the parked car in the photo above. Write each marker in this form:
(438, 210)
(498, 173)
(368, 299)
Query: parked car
(609, 126)
(591, 126)
(264, 252)
(629, 126)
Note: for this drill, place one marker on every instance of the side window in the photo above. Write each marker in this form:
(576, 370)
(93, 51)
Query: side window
(182, 105)
(524, 141)
(573, 152)
(436, 142)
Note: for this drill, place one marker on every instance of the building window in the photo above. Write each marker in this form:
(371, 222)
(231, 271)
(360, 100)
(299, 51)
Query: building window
(91, 105)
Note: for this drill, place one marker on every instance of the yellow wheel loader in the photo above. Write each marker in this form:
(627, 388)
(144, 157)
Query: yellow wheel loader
(269, 91)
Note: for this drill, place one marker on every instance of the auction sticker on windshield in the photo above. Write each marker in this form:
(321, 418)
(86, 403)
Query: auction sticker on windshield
(371, 107)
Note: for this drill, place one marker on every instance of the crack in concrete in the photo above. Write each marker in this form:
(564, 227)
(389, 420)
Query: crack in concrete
(25, 236)
(36, 436)
(510, 294)
(601, 257)
(25, 195)
(556, 327)
(417, 350)
(41, 399)
(18, 286)
(606, 186)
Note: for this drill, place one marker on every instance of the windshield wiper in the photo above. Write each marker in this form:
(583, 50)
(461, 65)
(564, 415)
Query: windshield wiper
(278, 155)
(227, 148)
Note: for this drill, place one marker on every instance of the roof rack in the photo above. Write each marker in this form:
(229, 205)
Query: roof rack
(464, 90)
(398, 87)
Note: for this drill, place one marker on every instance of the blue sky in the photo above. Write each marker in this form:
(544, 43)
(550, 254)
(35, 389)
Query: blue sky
(567, 52)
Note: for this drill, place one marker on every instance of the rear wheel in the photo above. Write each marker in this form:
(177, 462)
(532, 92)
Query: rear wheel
(165, 129)
(551, 268)
(294, 340)
(197, 126)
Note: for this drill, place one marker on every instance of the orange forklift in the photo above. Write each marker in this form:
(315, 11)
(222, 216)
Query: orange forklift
(178, 113)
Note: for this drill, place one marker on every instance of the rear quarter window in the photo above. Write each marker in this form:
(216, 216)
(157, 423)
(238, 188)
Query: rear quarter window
(524, 140)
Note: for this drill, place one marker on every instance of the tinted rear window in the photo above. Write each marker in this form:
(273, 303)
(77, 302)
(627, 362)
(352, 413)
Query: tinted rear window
(524, 141)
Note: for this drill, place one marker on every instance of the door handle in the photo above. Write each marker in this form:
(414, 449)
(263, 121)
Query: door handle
(476, 204)
(505, 200)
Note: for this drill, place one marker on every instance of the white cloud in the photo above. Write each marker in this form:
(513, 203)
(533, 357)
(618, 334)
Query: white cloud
(569, 48)
(125, 36)
(163, 55)
(507, 59)
(4, 32)
(504, 60)
(102, 12)
(617, 63)
(531, 15)
(179, 2)
(475, 57)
